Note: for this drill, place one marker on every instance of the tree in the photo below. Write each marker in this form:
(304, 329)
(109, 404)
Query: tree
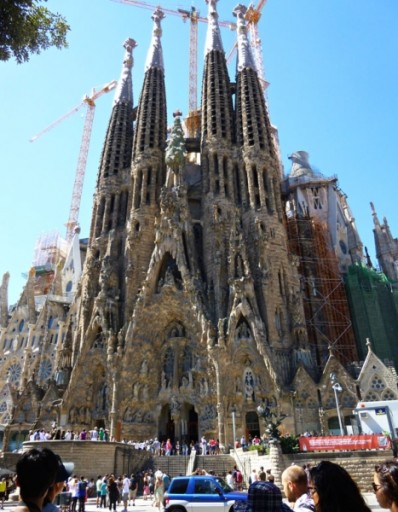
(26, 28)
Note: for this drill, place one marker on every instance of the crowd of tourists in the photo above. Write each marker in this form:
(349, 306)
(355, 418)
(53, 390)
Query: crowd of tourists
(327, 487)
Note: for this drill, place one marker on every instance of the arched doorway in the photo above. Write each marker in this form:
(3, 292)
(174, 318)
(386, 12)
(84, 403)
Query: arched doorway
(252, 424)
(192, 434)
(166, 424)
(183, 426)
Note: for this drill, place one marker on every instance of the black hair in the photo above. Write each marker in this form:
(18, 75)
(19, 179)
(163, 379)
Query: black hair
(36, 471)
(388, 478)
(337, 491)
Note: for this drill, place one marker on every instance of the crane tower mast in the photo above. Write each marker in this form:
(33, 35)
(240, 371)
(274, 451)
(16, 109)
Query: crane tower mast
(89, 101)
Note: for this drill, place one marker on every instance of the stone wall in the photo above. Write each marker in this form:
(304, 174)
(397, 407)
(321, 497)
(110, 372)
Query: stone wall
(359, 464)
(97, 458)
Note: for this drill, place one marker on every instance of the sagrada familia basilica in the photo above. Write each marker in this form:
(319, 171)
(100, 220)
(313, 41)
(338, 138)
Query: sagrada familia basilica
(210, 283)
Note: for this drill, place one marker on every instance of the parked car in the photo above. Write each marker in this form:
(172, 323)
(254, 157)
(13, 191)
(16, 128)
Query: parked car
(207, 493)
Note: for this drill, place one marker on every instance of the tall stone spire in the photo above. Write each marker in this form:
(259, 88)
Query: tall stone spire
(110, 208)
(148, 168)
(151, 126)
(253, 125)
(217, 157)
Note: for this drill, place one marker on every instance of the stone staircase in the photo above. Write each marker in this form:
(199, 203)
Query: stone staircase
(177, 465)
(220, 464)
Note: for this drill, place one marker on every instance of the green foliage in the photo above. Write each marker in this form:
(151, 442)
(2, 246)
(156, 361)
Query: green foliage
(272, 429)
(176, 151)
(27, 28)
(289, 443)
(259, 448)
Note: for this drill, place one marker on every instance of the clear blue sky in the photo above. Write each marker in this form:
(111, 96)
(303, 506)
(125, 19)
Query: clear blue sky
(333, 73)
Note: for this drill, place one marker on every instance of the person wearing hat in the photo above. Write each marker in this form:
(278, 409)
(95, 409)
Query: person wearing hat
(265, 496)
(64, 472)
(37, 470)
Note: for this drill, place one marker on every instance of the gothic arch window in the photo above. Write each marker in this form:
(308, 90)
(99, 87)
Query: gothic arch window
(177, 330)
(348, 400)
(243, 330)
(249, 385)
(371, 396)
(389, 395)
(21, 325)
(225, 175)
(377, 383)
(239, 267)
(278, 321)
(14, 373)
(45, 369)
(168, 367)
(169, 274)
(317, 199)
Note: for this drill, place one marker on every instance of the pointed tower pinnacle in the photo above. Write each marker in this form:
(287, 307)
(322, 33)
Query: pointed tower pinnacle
(155, 53)
(213, 38)
(245, 57)
(124, 91)
(376, 221)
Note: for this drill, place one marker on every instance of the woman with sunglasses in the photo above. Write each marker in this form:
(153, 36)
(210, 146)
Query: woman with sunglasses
(385, 485)
(333, 490)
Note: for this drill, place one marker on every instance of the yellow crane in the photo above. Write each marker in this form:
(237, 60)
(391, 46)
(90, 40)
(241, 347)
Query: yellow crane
(89, 101)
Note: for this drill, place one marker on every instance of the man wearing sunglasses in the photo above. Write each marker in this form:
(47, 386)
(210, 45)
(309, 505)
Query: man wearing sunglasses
(295, 487)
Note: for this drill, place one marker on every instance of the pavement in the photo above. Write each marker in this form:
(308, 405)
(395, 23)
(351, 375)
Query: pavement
(142, 505)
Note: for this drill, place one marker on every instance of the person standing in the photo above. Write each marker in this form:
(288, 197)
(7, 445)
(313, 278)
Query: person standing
(265, 496)
(73, 488)
(332, 489)
(98, 490)
(158, 492)
(125, 492)
(113, 493)
(133, 488)
(104, 492)
(82, 493)
(385, 484)
(36, 470)
(295, 487)
(3, 490)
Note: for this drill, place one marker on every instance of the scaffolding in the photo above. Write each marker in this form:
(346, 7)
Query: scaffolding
(326, 307)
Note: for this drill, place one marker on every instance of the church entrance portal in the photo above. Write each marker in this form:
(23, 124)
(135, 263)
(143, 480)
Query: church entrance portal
(252, 424)
(182, 427)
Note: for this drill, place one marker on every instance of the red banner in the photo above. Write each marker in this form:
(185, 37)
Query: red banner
(331, 443)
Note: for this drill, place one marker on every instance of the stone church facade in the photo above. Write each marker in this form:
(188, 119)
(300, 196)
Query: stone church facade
(189, 306)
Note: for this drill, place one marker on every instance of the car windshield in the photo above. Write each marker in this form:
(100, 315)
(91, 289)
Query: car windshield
(225, 487)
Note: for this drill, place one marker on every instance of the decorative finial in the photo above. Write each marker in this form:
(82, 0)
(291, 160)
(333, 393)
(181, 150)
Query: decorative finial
(213, 39)
(124, 91)
(155, 54)
(245, 58)
(369, 345)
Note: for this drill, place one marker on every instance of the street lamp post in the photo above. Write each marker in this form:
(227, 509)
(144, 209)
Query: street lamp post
(233, 412)
(337, 388)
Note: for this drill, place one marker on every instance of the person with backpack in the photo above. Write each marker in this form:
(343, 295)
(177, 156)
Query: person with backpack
(238, 480)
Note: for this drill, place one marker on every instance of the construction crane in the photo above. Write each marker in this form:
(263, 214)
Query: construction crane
(89, 101)
(193, 16)
(253, 15)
